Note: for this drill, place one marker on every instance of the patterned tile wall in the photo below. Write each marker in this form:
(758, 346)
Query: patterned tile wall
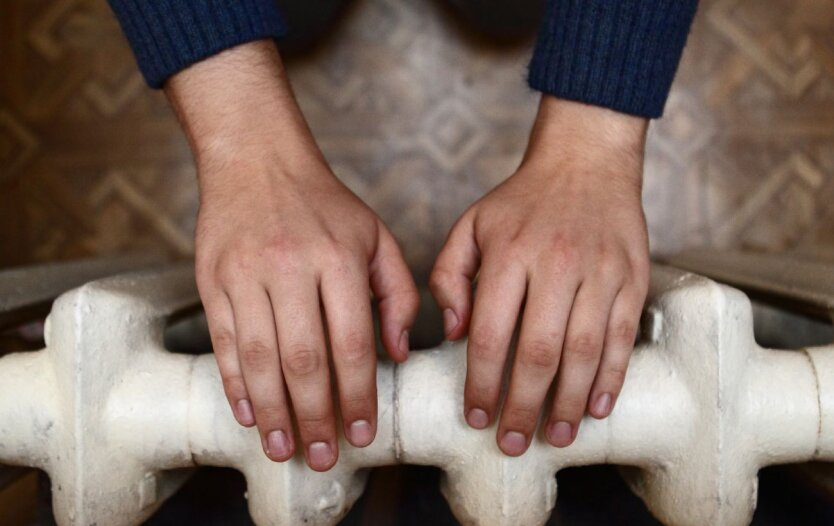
(420, 118)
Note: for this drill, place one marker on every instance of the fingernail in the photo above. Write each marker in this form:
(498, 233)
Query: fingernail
(560, 434)
(361, 433)
(602, 405)
(320, 455)
(477, 418)
(404, 343)
(277, 444)
(450, 321)
(244, 413)
(513, 443)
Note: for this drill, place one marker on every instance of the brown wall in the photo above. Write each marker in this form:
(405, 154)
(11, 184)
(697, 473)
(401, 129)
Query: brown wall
(420, 119)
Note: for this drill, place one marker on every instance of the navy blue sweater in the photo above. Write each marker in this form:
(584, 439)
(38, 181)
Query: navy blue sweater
(621, 54)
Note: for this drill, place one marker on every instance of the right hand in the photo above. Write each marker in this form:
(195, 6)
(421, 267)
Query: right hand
(284, 251)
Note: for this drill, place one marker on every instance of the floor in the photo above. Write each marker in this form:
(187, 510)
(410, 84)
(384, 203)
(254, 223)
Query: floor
(420, 117)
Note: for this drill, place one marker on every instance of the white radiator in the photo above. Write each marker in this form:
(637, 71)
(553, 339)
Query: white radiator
(107, 412)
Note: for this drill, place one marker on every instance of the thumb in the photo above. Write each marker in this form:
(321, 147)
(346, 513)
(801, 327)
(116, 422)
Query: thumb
(396, 294)
(451, 278)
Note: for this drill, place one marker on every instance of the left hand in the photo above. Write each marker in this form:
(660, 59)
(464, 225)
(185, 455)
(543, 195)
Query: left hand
(564, 241)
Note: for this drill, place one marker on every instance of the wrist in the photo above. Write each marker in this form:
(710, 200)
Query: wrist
(237, 106)
(573, 132)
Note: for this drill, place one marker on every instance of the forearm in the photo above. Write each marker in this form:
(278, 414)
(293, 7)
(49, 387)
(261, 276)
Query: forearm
(238, 106)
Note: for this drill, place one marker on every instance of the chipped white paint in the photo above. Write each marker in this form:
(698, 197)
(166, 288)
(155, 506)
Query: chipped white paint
(107, 412)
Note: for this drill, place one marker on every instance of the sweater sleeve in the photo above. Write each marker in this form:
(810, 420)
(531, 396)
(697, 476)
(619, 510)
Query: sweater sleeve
(169, 35)
(620, 54)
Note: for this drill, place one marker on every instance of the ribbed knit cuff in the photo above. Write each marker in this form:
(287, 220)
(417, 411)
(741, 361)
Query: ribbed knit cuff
(170, 35)
(619, 54)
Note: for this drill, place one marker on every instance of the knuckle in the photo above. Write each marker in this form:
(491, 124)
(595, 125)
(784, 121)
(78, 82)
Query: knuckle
(482, 394)
(224, 341)
(483, 346)
(234, 386)
(302, 360)
(406, 302)
(229, 269)
(615, 374)
(538, 354)
(560, 239)
(562, 259)
(585, 347)
(409, 296)
(346, 253)
(224, 271)
(277, 246)
(520, 414)
(609, 264)
(506, 251)
(360, 401)
(337, 253)
(257, 355)
(315, 422)
(354, 353)
(640, 268)
(569, 406)
(440, 279)
(621, 333)
(563, 245)
(286, 265)
(205, 274)
(355, 341)
(509, 259)
(271, 415)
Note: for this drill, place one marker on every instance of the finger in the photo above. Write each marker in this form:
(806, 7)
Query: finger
(452, 275)
(499, 294)
(546, 313)
(397, 296)
(346, 297)
(304, 363)
(619, 343)
(221, 325)
(580, 359)
(258, 355)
